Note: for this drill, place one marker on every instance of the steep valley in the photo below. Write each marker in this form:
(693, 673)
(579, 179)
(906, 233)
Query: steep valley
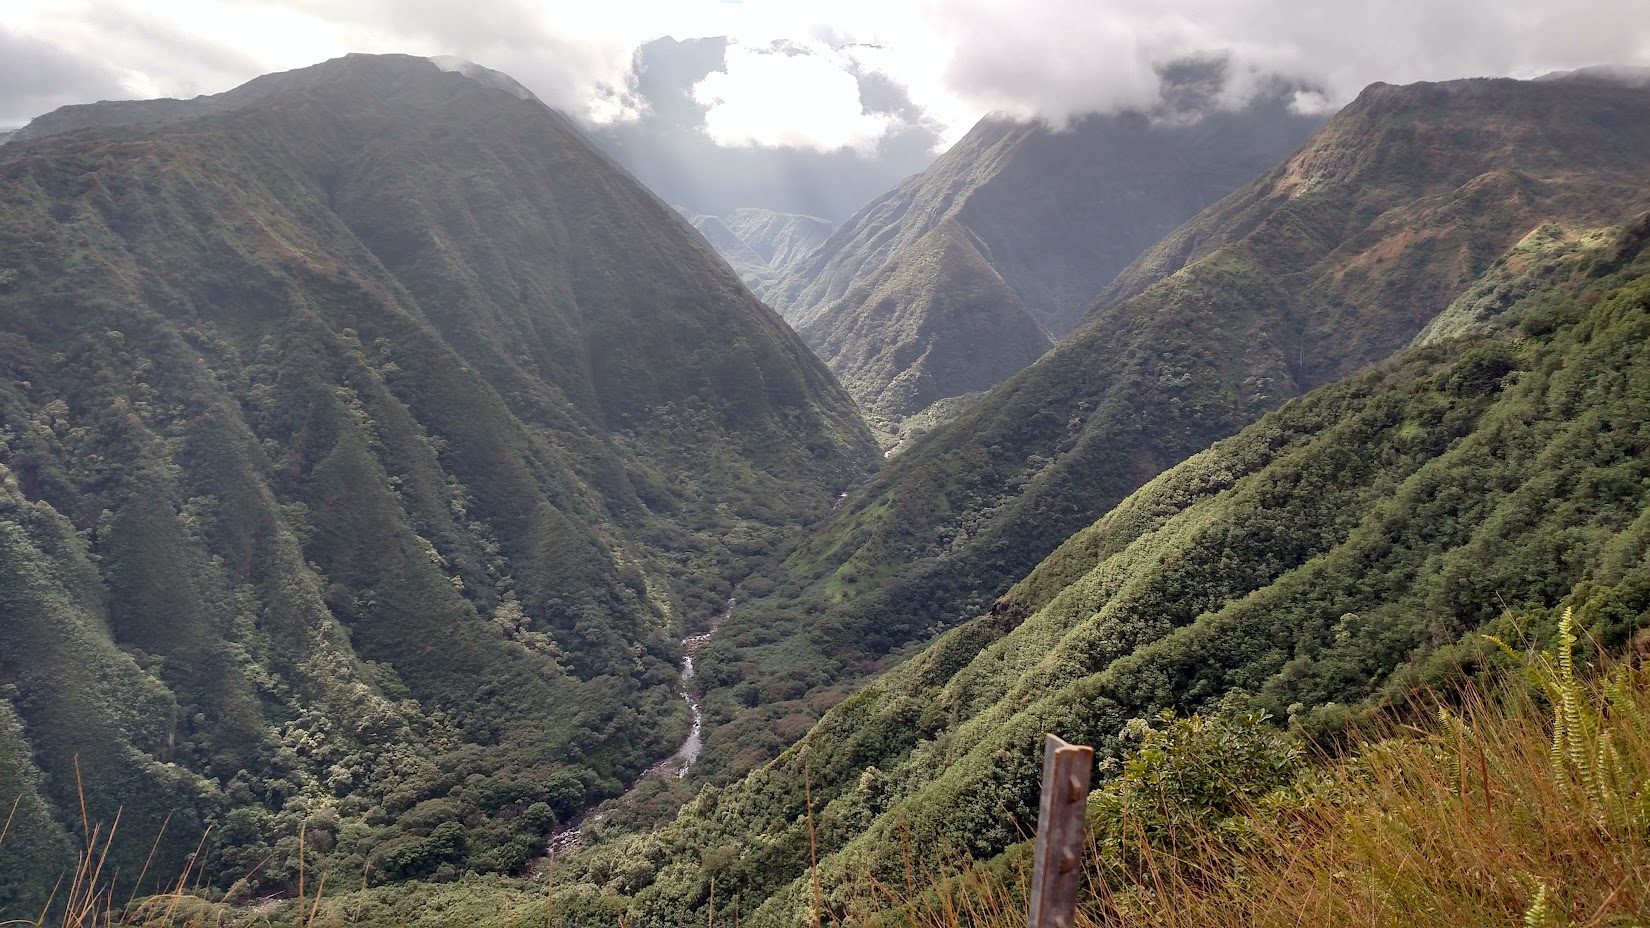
(396, 492)
(1342, 552)
(1333, 260)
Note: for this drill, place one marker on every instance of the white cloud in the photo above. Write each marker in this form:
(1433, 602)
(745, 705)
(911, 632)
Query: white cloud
(1058, 58)
(956, 58)
(788, 96)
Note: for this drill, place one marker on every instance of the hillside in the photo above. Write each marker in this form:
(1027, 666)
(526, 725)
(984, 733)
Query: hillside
(1341, 550)
(752, 268)
(1367, 233)
(367, 441)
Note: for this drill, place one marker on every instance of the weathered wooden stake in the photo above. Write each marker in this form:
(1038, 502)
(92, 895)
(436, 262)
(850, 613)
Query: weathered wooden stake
(1056, 874)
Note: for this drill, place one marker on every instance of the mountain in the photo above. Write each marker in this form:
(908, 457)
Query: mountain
(1333, 260)
(783, 240)
(1053, 213)
(1338, 553)
(939, 324)
(367, 441)
(752, 268)
(762, 244)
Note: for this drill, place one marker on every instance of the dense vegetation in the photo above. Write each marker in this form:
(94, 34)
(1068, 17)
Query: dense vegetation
(1343, 549)
(1335, 259)
(1523, 796)
(366, 443)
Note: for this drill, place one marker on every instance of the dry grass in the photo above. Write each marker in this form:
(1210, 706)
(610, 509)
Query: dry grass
(1528, 808)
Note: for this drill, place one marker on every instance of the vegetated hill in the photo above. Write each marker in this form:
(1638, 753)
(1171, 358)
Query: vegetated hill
(1337, 258)
(1053, 213)
(364, 449)
(1344, 548)
(762, 244)
(939, 322)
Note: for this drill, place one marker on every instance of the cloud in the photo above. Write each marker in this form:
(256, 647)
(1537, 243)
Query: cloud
(671, 150)
(36, 77)
(1059, 58)
(953, 60)
(788, 96)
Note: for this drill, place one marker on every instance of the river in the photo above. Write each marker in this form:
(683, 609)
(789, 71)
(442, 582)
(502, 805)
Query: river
(567, 838)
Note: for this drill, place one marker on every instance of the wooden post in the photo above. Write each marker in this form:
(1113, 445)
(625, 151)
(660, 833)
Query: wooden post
(1056, 873)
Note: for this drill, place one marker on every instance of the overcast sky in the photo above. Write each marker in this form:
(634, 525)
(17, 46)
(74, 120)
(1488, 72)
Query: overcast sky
(850, 77)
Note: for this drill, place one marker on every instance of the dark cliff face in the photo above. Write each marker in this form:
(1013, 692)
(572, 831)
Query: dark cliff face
(366, 438)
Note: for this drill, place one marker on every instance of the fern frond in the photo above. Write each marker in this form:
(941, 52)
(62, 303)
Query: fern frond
(1505, 648)
(1536, 915)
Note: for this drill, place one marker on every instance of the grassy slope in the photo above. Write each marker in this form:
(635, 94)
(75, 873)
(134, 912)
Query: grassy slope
(365, 448)
(1331, 552)
(1216, 820)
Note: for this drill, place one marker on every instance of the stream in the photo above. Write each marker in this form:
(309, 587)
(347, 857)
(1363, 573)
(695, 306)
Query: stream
(568, 837)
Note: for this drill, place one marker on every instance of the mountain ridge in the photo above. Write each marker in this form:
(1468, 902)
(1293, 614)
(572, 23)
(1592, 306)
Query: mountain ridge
(367, 448)
(1344, 550)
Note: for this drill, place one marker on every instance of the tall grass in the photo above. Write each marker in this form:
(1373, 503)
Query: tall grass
(1530, 807)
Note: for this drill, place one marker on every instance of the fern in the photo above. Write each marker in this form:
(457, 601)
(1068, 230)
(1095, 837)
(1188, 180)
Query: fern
(1536, 915)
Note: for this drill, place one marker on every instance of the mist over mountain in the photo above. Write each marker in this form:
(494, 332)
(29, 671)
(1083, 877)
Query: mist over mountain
(369, 440)
(762, 244)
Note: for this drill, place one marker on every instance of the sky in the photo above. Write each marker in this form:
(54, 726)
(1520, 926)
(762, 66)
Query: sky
(882, 83)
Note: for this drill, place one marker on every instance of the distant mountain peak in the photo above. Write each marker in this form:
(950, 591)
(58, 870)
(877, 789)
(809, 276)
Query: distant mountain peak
(481, 74)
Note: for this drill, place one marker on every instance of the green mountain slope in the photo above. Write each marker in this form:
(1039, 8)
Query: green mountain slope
(365, 446)
(1344, 547)
(939, 322)
(1052, 214)
(1369, 231)
(1058, 212)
